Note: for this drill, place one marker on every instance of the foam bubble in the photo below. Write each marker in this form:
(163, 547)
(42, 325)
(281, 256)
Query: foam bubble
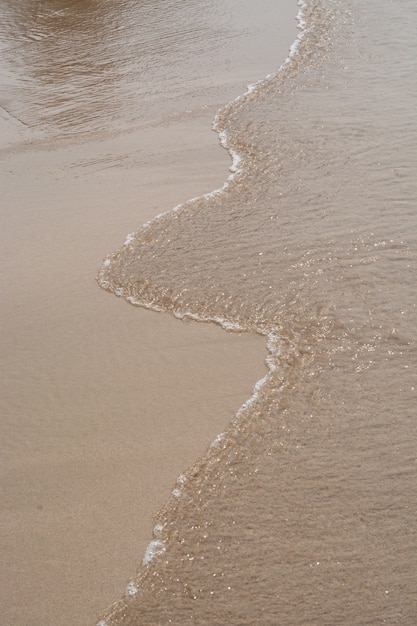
(153, 549)
(131, 589)
(181, 479)
(157, 531)
(130, 237)
(218, 440)
(227, 325)
(133, 300)
(254, 397)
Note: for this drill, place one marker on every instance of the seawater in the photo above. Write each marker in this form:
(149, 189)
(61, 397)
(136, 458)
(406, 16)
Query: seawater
(303, 510)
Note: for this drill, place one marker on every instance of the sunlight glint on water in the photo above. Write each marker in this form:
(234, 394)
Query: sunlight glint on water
(304, 504)
(303, 510)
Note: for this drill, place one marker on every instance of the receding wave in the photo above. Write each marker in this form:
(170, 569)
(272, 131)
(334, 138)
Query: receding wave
(300, 511)
(124, 272)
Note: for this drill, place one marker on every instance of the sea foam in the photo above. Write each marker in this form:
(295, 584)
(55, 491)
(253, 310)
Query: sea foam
(157, 547)
(154, 548)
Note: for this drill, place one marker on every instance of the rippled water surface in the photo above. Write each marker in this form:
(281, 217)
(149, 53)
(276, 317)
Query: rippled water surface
(303, 510)
(85, 67)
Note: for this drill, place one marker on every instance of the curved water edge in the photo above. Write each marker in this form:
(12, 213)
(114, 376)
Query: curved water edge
(328, 302)
(311, 19)
(156, 546)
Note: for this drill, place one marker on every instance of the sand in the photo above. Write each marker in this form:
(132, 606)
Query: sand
(104, 404)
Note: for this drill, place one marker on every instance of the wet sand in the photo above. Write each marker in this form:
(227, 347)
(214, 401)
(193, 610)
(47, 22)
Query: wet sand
(103, 404)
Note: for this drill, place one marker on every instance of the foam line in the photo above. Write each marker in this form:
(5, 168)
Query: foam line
(157, 547)
(235, 167)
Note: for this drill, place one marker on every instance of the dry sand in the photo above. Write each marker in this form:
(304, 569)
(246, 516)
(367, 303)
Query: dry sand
(103, 404)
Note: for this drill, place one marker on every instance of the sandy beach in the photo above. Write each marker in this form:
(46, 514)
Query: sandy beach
(104, 404)
(303, 512)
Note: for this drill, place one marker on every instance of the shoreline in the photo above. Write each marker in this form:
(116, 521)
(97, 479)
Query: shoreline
(117, 402)
(107, 403)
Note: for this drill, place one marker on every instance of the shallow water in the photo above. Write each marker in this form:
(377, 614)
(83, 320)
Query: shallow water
(303, 510)
(98, 68)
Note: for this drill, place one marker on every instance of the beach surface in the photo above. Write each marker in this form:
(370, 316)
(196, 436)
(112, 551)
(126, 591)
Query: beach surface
(104, 404)
(157, 470)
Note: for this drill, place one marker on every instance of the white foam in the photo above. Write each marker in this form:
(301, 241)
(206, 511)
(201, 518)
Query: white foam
(157, 531)
(131, 589)
(224, 323)
(129, 238)
(181, 479)
(236, 159)
(157, 547)
(234, 326)
(154, 548)
(254, 397)
(133, 300)
(218, 440)
(101, 623)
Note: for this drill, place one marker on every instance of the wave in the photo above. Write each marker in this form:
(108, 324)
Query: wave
(157, 546)
(296, 246)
